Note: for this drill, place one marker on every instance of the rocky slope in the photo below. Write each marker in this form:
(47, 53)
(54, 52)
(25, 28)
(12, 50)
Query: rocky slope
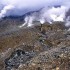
(43, 47)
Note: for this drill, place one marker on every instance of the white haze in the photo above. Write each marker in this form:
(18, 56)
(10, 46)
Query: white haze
(48, 12)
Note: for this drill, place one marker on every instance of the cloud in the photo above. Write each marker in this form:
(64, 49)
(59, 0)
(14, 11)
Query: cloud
(53, 10)
(30, 5)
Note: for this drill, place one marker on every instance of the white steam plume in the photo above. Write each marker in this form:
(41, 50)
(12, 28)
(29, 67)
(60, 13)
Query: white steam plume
(5, 10)
(53, 10)
(55, 14)
(46, 15)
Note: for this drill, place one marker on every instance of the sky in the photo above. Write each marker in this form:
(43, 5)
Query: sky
(49, 11)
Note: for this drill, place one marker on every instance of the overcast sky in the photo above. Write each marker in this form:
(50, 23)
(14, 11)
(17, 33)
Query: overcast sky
(26, 5)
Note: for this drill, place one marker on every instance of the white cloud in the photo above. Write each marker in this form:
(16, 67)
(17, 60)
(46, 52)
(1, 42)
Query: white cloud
(32, 4)
(49, 13)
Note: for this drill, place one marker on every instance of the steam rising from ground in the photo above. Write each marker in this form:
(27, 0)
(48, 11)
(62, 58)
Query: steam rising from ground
(47, 15)
(53, 10)
(5, 10)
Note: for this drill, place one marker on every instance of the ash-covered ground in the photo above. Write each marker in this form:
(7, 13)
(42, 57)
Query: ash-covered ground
(42, 47)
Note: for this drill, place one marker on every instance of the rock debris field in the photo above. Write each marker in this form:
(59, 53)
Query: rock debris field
(42, 47)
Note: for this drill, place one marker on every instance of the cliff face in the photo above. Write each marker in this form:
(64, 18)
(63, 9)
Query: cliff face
(43, 47)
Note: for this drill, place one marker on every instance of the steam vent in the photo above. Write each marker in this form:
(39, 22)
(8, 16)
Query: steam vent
(34, 34)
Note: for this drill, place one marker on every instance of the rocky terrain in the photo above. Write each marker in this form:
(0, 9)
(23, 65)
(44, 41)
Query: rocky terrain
(43, 47)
